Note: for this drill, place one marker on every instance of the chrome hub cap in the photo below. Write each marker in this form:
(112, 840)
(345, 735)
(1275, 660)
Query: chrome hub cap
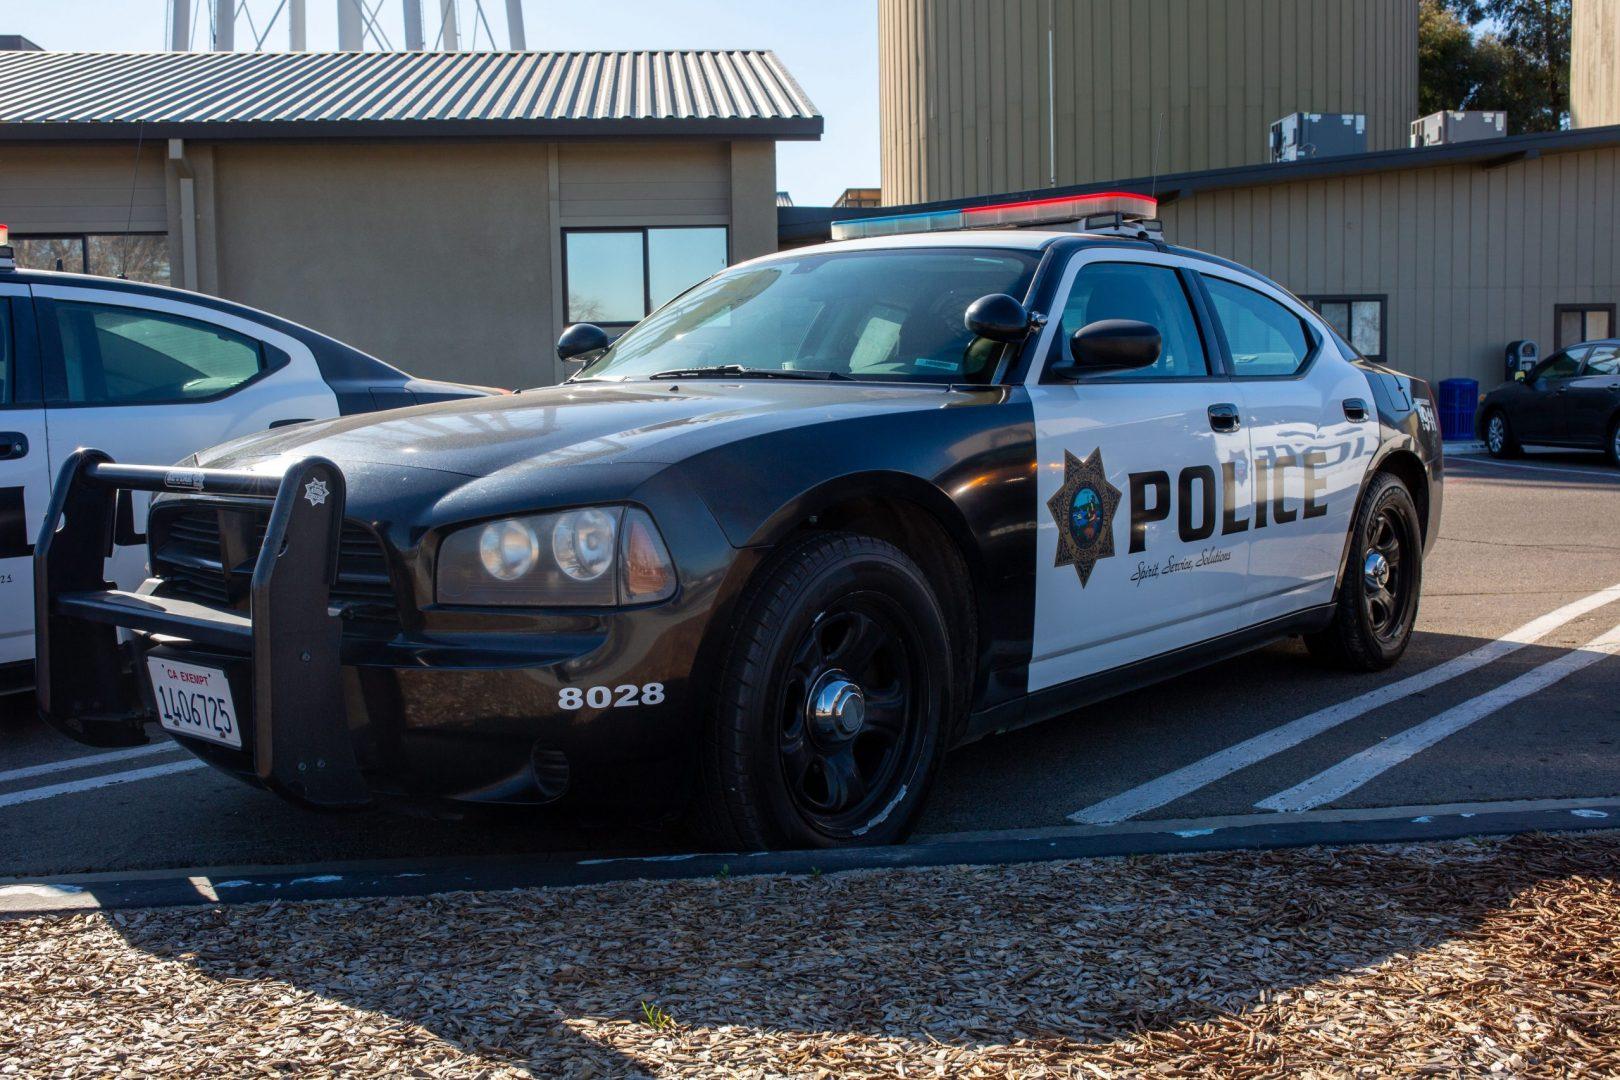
(1375, 571)
(837, 708)
(1494, 433)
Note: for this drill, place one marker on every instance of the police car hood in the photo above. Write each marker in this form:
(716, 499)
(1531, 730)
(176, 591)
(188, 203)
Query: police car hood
(574, 424)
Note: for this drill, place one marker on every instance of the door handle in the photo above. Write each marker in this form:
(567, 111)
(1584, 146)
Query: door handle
(1355, 410)
(13, 445)
(1224, 417)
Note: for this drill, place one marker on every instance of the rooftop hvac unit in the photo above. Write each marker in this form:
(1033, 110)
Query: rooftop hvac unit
(1311, 135)
(1446, 126)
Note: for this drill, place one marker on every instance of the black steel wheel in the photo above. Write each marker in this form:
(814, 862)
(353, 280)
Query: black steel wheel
(827, 719)
(1378, 597)
(1499, 440)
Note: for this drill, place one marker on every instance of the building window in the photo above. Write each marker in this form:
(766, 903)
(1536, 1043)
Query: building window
(135, 256)
(1358, 319)
(615, 277)
(1575, 323)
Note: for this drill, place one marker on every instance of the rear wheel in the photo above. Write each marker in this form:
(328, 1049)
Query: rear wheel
(1499, 439)
(826, 725)
(1378, 598)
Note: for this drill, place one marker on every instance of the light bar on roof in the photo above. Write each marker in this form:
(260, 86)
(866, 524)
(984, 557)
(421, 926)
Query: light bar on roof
(1063, 208)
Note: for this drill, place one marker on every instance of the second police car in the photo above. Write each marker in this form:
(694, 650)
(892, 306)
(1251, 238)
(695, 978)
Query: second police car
(778, 547)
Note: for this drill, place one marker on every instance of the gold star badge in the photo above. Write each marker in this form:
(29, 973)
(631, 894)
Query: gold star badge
(1084, 510)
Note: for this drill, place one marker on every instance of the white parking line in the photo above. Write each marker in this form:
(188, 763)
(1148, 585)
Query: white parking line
(87, 761)
(50, 791)
(1351, 773)
(1595, 473)
(1184, 781)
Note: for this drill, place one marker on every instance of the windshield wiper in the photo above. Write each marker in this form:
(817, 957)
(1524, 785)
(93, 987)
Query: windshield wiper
(723, 370)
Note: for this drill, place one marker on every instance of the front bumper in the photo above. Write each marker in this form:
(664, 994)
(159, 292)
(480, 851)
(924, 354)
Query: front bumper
(521, 709)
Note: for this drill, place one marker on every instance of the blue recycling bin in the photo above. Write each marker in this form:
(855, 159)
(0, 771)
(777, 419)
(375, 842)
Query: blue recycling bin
(1459, 400)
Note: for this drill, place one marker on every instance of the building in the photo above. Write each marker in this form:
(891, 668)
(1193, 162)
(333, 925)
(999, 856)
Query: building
(1432, 259)
(1594, 68)
(860, 196)
(980, 96)
(448, 212)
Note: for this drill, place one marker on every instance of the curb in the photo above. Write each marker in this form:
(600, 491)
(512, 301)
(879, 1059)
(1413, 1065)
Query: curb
(176, 888)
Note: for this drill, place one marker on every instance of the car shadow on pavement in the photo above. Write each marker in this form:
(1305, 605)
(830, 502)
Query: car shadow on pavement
(1066, 956)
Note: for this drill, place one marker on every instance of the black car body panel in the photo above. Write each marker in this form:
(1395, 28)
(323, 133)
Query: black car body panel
(1578, 411)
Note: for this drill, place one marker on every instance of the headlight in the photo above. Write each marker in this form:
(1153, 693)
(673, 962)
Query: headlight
(598, 556)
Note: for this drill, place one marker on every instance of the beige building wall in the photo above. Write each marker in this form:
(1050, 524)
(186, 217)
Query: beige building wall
(59, 188)
(1469, 258)
(445, 258)
(1141, 85)
(1594, 75)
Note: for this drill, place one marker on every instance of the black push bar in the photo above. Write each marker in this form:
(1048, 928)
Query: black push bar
(300, 742)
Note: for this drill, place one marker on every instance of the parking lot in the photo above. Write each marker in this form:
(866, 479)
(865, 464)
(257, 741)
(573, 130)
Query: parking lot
(1508, 696)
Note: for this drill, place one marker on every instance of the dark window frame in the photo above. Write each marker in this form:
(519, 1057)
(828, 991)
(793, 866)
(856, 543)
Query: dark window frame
(1558, 322)
(1315, 300)
(84, 245)
(646, 264)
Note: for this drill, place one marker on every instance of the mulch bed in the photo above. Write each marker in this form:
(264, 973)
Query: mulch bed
(1464, 957)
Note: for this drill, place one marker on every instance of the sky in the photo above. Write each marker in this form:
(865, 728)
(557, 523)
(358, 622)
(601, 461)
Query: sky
(830, 46)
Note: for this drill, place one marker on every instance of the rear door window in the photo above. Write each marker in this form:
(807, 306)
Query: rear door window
(1266, 339)
(1603, 360)
(114, 355)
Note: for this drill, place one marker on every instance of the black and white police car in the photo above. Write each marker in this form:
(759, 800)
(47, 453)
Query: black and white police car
(779, 546)
(147, 373)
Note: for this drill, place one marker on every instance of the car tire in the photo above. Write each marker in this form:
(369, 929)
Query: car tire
(1613, 445)
(833, 619)
(1383, 577)
(1500, 441)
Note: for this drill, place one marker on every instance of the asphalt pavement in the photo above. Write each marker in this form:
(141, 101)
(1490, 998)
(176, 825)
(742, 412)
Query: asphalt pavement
(1508, 698)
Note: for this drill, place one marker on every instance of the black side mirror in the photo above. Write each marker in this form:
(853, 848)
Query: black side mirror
(581, 338)
(1109, 345)
(998, 317)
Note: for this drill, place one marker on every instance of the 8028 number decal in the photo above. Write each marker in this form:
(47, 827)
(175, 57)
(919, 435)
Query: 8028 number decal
(610, 697)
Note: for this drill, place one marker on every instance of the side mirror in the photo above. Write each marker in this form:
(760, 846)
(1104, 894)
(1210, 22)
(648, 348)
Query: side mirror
(1109, 345)
(581, 338)
(998, 317)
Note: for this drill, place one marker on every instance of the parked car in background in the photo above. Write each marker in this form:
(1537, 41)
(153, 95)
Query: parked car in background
(1570, 399)
(154, 374)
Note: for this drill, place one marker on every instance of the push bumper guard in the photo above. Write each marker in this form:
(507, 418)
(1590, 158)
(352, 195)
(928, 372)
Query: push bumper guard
(299, 741)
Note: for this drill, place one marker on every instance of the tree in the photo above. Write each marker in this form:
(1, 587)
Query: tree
(1452, 66)
(1524, 53)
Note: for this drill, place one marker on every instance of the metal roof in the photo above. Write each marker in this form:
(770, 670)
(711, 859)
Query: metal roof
(359, 94)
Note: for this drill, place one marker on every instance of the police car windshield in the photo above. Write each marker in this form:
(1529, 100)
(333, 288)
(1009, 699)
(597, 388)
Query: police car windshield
(891, 315)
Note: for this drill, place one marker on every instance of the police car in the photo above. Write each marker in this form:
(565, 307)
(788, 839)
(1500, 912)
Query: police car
(778, 547)
(152, 374)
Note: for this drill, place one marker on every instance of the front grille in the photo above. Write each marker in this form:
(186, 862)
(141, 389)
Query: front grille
(206, 554)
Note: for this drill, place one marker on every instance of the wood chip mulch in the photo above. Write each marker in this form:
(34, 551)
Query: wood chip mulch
(1458, 958)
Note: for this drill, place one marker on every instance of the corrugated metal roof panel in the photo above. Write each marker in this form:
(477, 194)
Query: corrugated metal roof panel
(402, 89)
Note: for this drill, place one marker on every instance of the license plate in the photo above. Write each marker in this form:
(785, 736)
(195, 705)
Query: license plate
(194, 701)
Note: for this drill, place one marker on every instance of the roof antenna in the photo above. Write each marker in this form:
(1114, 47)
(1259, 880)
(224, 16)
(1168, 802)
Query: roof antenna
(1154, 163)
(129, 221)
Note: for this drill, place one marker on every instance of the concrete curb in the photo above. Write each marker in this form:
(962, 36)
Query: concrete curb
(174, 888)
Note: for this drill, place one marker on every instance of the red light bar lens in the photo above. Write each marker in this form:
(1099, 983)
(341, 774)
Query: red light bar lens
(1060, 208)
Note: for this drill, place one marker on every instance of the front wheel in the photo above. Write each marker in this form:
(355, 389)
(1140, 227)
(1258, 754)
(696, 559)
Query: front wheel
(1378, 598)
(826, 723)
(1499, 440)
(1613, 445)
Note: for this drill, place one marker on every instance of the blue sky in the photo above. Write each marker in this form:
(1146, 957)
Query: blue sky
(829, 45)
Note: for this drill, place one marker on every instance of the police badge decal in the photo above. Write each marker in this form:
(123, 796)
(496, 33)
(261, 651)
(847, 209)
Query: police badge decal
(1084, 510)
